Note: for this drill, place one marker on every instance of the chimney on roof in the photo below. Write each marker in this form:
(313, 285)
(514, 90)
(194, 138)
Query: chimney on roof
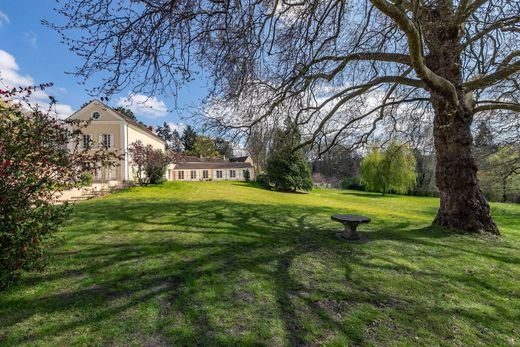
(224, 157)
(200, 156)
(150, 128)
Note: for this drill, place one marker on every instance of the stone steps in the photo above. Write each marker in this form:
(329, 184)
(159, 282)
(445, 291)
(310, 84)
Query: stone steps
(87, 194)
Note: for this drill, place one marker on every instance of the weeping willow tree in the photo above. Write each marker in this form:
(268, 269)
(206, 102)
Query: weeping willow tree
(392, 170)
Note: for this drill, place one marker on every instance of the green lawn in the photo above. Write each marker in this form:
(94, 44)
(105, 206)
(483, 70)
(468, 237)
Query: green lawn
(222, 263)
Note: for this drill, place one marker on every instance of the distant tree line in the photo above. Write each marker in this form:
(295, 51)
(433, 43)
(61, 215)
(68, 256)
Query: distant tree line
(193, 144)
(499, 168)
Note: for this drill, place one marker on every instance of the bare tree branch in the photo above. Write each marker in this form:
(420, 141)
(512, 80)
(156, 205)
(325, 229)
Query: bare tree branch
(492, 78)
(496, 105)
(433, 80)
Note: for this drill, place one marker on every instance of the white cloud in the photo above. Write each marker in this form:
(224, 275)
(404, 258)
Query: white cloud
(177, 126)
(63, 110)
(31, 38)
(3, 19)
(9, 74)
(142, 105)
(10, 77)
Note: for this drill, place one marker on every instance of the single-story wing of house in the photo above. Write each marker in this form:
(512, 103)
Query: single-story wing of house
(205, 169)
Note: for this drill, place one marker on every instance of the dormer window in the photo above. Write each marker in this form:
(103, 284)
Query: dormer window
(96, 115)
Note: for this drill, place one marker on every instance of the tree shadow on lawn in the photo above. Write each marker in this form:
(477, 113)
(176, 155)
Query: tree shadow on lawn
(221, 273)
(260, 186)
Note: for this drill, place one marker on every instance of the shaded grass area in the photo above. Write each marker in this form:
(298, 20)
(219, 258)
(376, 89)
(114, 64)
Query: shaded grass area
(223, 263)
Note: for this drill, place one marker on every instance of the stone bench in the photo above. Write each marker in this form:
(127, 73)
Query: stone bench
(351, 222)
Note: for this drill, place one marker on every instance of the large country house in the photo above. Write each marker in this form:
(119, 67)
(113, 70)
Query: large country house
(116, 132)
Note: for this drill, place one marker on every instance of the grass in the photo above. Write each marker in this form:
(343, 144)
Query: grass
(223, 263)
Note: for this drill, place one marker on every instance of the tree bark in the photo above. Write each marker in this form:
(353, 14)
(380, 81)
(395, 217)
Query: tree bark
(463, 205)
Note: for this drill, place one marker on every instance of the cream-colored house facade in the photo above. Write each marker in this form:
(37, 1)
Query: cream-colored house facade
(209, 169)
(116, 132)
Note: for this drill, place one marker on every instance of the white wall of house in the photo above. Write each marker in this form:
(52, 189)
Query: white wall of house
(173, 174)
(137, 134)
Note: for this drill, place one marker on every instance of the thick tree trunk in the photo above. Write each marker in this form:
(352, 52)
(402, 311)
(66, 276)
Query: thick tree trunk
(463, 205)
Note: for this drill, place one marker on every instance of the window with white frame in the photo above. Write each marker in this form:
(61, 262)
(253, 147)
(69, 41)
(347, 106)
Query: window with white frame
(232, 174)
(87, 141)
(193, 174)
(219, 174)
(108, 170)
(180, 175)
(106, 140)
(88, 166)
(112, 168)
(205, 174)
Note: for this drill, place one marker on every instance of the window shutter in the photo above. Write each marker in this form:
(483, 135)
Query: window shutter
(111, 141)
(100, 143)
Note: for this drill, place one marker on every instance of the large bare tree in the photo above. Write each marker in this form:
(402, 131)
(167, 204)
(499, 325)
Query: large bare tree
(345, 65)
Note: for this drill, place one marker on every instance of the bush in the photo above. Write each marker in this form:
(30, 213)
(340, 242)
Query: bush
(351, 183)
(247, 176)
(150, 162)
(156, 174)
(263, 179)
(35, 165)
(86, 178)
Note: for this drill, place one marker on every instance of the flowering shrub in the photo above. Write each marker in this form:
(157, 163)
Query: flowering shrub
(37, 162)
(150, 163)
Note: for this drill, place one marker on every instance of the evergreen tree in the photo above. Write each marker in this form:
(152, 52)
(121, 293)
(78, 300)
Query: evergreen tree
(127, 112)
(484, 136)
(287, 169)
(176, 144)
(484, 145)
(204, 146)
(224, 147)
(189, 136)
(165, 132)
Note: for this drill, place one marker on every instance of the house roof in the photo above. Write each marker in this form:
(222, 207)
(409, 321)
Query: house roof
(192, 159)
(208, 165)
(137, 124)
(239, 159)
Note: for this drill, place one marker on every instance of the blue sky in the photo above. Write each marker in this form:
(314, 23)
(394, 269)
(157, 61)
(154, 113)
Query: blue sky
(30, 52)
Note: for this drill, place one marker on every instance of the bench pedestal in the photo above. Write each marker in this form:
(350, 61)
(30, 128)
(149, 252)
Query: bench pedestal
(351, 222)
(350, 232)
